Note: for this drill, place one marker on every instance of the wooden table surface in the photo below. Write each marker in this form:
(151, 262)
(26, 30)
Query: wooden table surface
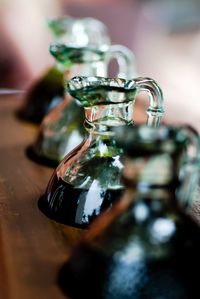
(32, 247)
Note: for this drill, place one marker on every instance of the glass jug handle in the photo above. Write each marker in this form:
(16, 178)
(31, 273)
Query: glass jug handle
(125, 59)
(155, 110)
(190, 171)
(193, 143)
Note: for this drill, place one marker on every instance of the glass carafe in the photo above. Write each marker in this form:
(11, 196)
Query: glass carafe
(146, 246)
(88, 180)
(62, 129)
(48, 91)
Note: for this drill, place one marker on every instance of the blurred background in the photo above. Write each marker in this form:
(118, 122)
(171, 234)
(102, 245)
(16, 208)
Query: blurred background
(163, 34)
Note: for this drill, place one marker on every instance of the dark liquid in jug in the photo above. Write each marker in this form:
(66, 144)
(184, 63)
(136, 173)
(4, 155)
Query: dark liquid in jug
(92, 272)
(44, 95)
(75, 206)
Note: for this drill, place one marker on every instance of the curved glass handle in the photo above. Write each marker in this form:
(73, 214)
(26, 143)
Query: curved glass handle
(125, 59)
(193, 143)
(190, 171)
(155, 110)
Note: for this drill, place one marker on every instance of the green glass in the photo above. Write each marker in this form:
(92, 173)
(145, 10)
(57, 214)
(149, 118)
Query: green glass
(48, 91)
(62, 129)
(146, 246)
(88, 180)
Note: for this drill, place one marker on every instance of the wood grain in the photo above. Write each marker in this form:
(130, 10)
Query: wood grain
(32, 248)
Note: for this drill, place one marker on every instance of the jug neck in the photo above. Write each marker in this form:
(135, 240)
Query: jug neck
(100, 119)
(157, 171)
(153, 177)
(96, 68)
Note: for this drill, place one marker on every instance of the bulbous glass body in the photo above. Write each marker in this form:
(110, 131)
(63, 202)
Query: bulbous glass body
(146, 246)
(88, 180)
(48, 91)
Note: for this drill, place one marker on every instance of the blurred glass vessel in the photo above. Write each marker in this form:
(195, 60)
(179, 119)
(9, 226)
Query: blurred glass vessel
(88, 180)
(48, 91)
(62, 129)
(146, 246)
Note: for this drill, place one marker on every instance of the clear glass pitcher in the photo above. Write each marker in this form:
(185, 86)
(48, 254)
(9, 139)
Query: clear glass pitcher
(88, 180)
(145, 246)
(62, 129)
(48, 91)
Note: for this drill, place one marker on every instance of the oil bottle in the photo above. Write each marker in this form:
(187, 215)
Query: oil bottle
(146, 246)
(88, 180)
